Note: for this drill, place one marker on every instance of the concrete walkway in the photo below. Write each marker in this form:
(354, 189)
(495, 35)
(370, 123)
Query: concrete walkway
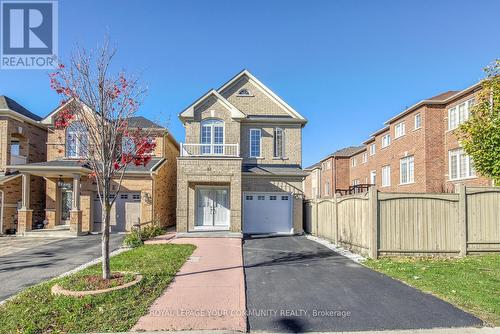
(208, 293)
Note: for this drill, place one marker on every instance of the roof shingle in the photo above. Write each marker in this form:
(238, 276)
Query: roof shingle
(9, 104)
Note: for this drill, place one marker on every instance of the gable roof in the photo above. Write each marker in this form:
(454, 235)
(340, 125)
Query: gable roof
(143, 123)
(268, 92)
(189, 111)
(6, 103)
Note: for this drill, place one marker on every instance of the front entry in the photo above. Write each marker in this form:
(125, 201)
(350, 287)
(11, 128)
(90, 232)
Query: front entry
(212, 211)
(66, 204)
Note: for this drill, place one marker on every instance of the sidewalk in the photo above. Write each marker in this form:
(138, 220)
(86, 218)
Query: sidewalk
(208, 293)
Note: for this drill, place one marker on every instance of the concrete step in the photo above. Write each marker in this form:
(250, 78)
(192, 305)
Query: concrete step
(51, 233)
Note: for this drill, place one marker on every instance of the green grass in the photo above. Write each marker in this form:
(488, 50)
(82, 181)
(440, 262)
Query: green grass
(36, 310)
(472, 283)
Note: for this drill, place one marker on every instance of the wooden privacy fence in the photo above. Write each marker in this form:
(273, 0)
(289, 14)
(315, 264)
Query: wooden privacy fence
(389, 224)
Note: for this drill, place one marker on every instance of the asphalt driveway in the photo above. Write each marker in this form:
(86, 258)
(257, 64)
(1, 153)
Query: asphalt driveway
(297, 285)
(21, 269)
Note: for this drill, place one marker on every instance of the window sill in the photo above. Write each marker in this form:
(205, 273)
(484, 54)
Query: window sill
(396, 138)
(408, 183)
(463, 179)
(258, 158)
(238, 95)
(417, 128)
(280, 158)
(386, 186)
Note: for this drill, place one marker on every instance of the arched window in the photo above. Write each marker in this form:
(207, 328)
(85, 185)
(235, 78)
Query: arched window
(212, 136)
(76, 140)
(244, 92)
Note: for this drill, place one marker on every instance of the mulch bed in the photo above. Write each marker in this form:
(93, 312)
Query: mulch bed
(96, 282)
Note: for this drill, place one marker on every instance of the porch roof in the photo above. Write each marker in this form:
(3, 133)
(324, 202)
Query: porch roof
(274, 170)
(55, 168)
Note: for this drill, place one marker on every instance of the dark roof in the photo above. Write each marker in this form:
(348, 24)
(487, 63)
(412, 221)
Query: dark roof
(347, 151)
(443, 96)
(316, 165)
(143, 123)
(82, 164)
(8, 103)
(279, 170)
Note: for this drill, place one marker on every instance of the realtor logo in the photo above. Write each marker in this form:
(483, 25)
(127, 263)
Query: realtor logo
(29, 34)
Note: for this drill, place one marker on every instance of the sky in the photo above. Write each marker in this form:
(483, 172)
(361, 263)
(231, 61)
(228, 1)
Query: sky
(346, 66)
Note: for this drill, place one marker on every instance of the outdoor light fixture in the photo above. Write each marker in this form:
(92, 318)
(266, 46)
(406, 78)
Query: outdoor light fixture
(60, 182)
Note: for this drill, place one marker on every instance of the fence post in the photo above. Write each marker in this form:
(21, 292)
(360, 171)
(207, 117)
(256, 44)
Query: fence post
(462, 218)
(373, 198)
(335, 221)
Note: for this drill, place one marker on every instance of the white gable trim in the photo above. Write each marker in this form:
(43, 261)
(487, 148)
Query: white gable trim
(48, 118)
(268, 92)
(189, 111)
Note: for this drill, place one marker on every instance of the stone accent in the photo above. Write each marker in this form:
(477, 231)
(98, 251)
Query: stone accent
(25, 221)
(203, 171)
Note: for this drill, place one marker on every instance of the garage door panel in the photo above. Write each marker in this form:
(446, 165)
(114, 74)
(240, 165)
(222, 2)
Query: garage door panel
(267, 213)
(124, 212)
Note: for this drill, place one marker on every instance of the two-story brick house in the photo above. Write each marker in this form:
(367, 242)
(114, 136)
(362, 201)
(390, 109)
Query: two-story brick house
(22, 140)
(72, 203)
(418, 150)
(240, 166)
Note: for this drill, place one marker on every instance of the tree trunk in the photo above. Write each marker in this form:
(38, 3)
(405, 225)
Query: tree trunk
(106, 271)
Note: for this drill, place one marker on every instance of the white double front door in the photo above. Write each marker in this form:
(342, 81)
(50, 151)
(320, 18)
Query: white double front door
(212, 208)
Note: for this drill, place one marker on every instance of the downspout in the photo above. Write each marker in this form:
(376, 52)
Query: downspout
(1, 211)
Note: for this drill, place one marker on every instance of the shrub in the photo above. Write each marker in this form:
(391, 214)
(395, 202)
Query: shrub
(132, 239)
(137, 237)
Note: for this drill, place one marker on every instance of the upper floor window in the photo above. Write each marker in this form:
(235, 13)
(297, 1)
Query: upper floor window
(244, 92)
(279, 143)
(386, 140)
(212, 136)
(325, 165)
(355, 182)
(128, 145)
(327, 188)
(459, 114)
(15, 147)
(418, 121)
(460, 165)
(353, 162)
(399, 130)
(364, 158)
(76, 140)
(255, 143)
(407, 170)
(373, 148)
(373, 177)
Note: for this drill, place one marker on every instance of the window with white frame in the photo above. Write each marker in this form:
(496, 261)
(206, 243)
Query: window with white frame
(399, 130)
(355, 182)
(373, 148)
(460, 165)
(459, 114)
(406, 170)
(386, 176)
(128, 145)
(373, 177)
(279, 143)
(353, 162)
(364, 157)
(15, 147)
(255, 141)
(244, 92)
(76, 140)
(418, 121)
(386, 140)
(212, 136)
(327, 188)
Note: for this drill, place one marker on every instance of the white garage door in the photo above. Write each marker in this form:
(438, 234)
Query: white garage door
(124, 212)
(267, 213)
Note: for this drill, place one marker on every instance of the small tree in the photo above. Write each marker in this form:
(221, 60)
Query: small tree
(480, 134)
(102, 104)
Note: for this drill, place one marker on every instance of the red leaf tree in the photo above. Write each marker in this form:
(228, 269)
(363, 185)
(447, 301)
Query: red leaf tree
(101, 103)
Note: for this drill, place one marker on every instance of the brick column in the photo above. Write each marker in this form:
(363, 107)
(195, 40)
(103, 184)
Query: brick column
(25, 214)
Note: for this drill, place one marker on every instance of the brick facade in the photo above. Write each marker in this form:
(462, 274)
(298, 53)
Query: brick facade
(429, 145)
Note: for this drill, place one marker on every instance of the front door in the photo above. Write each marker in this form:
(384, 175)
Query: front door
(212, 208)
(66, 204)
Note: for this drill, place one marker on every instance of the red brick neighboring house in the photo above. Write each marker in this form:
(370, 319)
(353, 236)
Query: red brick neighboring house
(418, 149)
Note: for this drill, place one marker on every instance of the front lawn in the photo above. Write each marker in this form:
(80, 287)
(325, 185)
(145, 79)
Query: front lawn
(36, 311)
(471, 283)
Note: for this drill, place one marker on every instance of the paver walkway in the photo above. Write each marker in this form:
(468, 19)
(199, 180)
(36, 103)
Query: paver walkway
(208, 292)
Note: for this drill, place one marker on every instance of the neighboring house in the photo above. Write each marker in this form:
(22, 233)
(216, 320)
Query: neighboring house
(22, 140)
(330, 174)
(418, 149)
(240, 166)
(72, 203)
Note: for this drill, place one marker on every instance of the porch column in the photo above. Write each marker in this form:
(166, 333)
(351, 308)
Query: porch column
(25, 214)
(75, 215)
